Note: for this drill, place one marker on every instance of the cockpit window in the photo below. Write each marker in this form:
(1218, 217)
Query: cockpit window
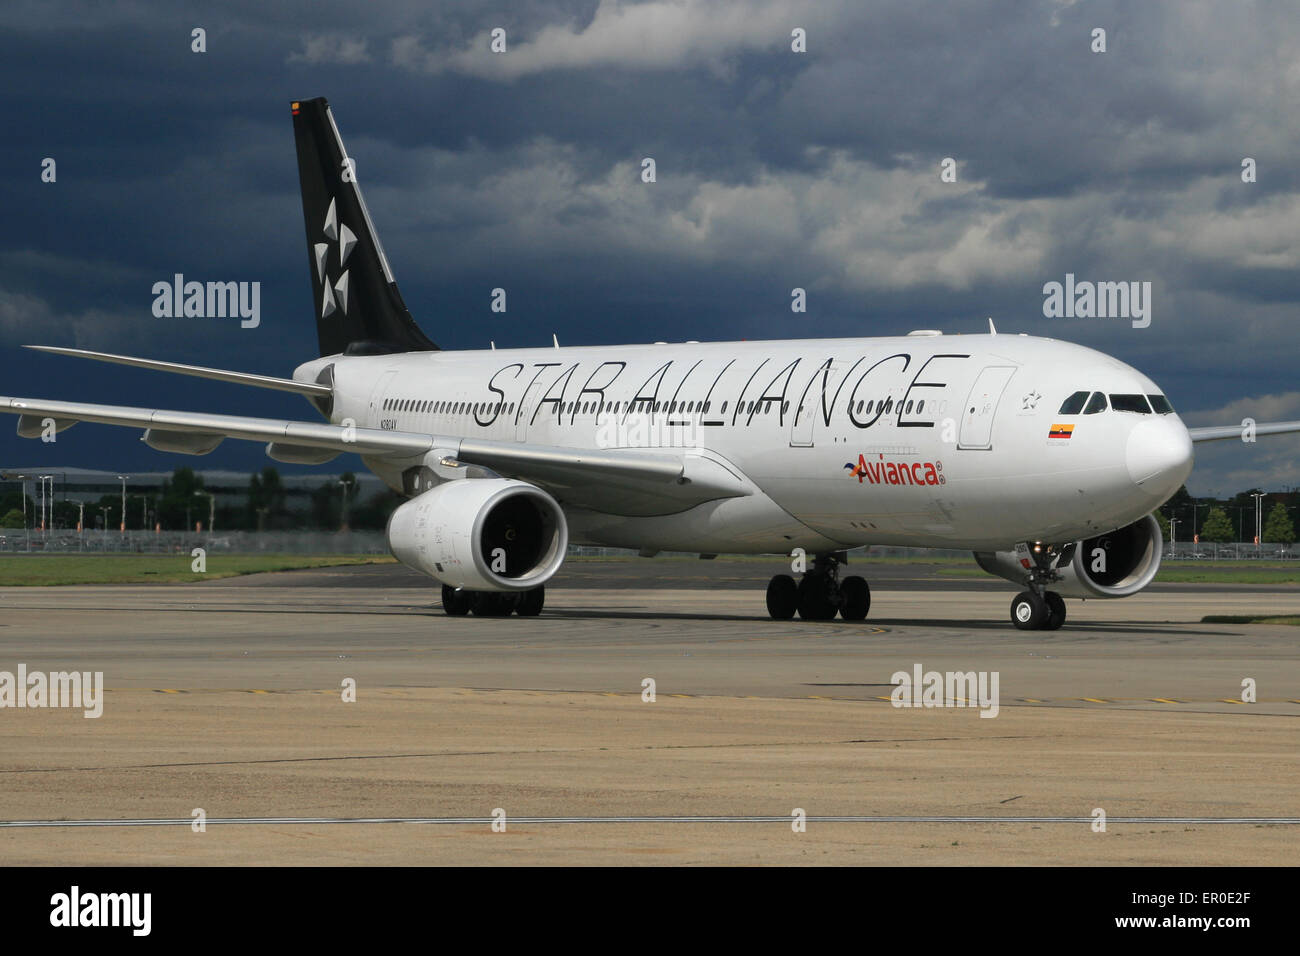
(1130, 403)
(1161, 405)
(1096, 404)
(1074, 404)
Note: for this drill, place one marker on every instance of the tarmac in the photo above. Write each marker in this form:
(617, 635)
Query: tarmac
(667, 722)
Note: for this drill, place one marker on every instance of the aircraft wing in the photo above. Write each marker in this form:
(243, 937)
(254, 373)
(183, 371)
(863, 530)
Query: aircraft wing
(1222, 432)
(660, 477)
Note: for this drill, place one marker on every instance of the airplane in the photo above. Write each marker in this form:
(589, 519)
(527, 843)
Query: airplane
(1044, 458)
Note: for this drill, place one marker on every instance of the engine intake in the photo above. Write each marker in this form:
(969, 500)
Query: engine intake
(484, 534)
(1112, 565)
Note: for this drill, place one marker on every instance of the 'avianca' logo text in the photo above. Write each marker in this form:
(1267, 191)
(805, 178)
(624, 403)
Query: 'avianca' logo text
(895, 473)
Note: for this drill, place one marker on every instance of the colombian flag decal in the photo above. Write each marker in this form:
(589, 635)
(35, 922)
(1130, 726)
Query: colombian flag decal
(1061, 431)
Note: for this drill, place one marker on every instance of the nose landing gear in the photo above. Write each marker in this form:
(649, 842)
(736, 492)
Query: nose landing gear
(1039, 609)
(821, 594)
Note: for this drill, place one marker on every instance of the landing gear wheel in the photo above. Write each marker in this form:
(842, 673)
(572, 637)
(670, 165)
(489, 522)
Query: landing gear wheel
(492, 604)
(1055, 610)
(855, 598)
(814, 603)
(455, 603)
(1029, 612)
(782, 597)
(530, 602)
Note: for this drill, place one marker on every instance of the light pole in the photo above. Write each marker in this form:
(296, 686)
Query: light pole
(43, 508)
(1259, 512)
(1173, 537)
(122, 479)
(347, 487)
(22, 485)
(212, 508)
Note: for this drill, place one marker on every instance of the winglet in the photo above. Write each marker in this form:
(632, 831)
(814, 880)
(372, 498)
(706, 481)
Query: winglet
(992, 330)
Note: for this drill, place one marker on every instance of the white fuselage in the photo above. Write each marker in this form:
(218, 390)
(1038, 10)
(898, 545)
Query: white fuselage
(930, 440)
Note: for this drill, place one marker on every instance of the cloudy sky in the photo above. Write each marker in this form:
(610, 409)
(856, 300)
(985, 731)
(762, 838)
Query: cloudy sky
(775, 169)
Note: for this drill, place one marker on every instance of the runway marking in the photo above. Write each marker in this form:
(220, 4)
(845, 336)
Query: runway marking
(535, 691)
(782, 819)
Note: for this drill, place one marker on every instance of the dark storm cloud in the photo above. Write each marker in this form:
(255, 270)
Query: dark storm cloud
(775, 170)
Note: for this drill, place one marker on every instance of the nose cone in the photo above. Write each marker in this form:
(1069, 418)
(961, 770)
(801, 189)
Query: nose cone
(1159, 455)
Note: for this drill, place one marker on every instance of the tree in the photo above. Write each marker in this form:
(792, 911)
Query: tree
(266, 500)
(13, 519)
(177, 503)
(1278, 527)
(1217, 526)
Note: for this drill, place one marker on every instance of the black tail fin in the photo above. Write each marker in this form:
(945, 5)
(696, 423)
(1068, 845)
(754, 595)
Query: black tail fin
(358, 308)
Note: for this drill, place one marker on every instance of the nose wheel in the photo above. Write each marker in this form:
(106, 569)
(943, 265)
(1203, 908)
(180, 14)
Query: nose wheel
(820, 595)
(1032, 612)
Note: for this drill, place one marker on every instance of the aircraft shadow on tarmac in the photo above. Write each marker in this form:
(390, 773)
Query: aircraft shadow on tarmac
(849, 627)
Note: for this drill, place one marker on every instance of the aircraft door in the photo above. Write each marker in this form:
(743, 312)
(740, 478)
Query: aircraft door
(526, 404)
(804, 411)
(377, 395)
(981, 406)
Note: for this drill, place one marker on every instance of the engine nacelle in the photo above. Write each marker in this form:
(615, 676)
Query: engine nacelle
(1112, 565)
(484, 534)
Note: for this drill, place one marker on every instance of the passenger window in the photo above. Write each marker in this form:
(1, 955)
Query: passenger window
(1096, 404)
(1130, 403)
(1074, 404)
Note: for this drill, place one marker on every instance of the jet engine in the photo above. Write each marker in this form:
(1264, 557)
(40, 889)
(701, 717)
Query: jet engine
(1112, 565)
(482, 534)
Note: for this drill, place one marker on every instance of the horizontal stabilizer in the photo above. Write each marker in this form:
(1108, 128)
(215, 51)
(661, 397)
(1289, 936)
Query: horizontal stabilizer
(221, 375)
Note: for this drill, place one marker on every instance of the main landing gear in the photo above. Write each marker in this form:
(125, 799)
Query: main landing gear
(821, 594)
(1039, 609)
(493, 603)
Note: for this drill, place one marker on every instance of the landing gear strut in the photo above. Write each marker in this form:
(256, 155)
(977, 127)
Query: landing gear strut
(1039, 609)
(821, 594)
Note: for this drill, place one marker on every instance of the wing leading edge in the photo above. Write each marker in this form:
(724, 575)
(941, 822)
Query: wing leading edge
(1223, 432)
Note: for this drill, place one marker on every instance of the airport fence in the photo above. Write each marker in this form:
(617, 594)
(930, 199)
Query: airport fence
(70, 541)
